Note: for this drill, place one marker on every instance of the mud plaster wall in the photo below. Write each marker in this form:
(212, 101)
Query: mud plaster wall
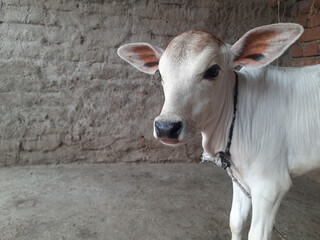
(65, 96)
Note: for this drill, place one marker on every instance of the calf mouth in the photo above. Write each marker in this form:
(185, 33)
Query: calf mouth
(170, 141)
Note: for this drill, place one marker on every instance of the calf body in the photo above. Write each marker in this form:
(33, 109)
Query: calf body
(276, 134)
(279, 118)
(276, 137)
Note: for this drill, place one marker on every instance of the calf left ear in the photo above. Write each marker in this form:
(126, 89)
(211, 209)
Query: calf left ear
(261, 45)
(143, 56)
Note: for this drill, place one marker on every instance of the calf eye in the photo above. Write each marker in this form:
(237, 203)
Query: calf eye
(212, 72)
(157, 73)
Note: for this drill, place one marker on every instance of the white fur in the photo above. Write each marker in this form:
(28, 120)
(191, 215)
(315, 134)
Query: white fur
(277, 127)
(276, 137)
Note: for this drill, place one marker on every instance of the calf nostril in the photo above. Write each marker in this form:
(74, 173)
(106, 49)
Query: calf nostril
(176, 128)
(157, 126)
(168, 129)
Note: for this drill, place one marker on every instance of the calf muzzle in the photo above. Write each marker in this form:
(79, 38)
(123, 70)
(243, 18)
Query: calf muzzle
(167, 129)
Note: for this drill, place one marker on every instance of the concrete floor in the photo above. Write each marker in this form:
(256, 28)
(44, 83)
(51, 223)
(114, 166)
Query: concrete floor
(147, 202)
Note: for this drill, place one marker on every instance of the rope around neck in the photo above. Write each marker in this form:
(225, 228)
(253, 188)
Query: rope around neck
(222, 158)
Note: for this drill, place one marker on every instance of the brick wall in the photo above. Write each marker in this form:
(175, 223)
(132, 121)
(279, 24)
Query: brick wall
(306, 51)
(65, 96)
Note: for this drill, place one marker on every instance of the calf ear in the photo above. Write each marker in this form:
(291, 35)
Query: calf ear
(261, 45)
(143, 56)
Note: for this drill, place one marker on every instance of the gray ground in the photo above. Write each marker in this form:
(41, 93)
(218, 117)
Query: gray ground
(117, 201)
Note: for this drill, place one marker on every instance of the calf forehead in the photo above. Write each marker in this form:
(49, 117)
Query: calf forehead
(191, 42)
(189, 53)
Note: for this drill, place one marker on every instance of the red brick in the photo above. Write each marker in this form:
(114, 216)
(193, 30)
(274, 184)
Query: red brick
(295, 11)
(307, 8)
(310, 34)
(311, 49)
(296, 51)
(314, 20)
(302, 20)
(305, 62)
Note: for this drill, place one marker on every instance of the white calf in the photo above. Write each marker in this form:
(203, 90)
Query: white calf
(277, 127)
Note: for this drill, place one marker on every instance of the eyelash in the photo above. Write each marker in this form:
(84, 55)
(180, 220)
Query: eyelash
(210, 74)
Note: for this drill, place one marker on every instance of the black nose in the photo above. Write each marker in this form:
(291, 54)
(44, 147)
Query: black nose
(168, 129)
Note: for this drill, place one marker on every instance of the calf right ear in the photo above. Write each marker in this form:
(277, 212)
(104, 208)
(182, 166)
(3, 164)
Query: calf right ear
(143, 56)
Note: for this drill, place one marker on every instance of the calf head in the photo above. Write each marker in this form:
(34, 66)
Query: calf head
(197, 73)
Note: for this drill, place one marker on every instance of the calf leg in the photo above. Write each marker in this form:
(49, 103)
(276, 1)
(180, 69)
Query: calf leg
(266, 199)
(241, 205)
